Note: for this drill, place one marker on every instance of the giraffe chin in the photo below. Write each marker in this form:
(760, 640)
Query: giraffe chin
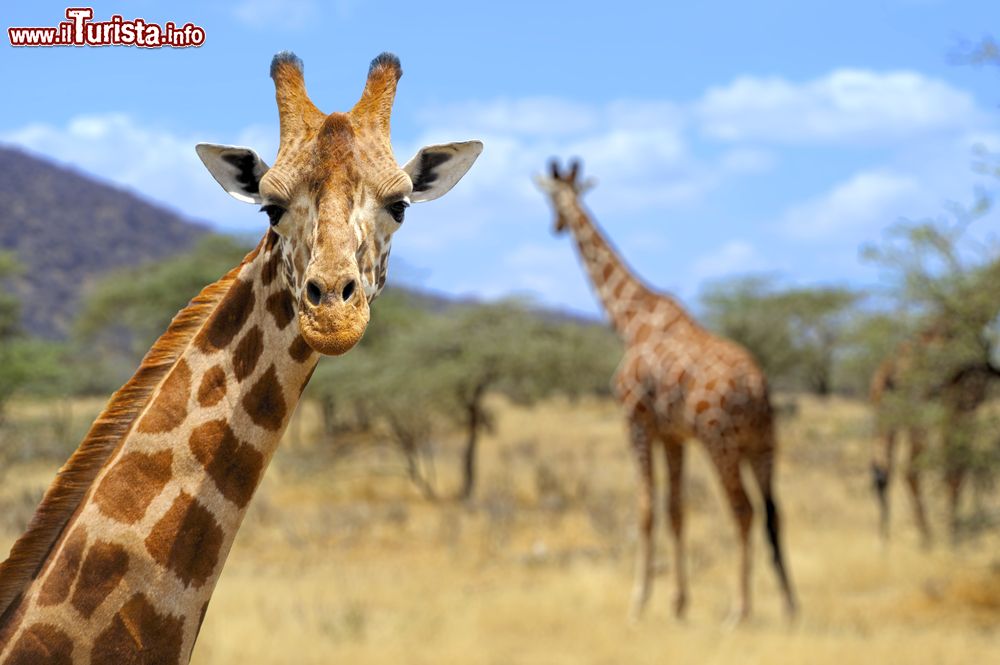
(333, 333)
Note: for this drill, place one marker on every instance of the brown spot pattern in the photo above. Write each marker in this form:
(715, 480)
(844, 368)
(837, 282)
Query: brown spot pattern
(103, 569)
(234, 466)
(247, 353)
(139, 635)
(186, 540)
(213, 386)
(228, 318)
(60, 580)
(42, 644)
(132, 483)
(281, 307)
(270, 270)
(169, 408)
(265, 403)
(299, 350)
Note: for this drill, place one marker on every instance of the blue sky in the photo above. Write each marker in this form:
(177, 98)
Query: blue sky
(726, 137)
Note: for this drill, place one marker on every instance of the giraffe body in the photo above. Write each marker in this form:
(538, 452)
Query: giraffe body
(678, 381)
(960, 394)
(122, 556)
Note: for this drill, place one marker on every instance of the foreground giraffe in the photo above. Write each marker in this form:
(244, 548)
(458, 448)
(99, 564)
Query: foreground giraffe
(121, 557)
(678, 381)
(961, 393)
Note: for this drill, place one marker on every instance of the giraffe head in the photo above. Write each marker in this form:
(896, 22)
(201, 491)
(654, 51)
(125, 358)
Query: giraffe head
(563, 187)
(335, 195)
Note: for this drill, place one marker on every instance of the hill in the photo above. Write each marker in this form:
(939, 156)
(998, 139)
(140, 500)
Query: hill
(66, 228)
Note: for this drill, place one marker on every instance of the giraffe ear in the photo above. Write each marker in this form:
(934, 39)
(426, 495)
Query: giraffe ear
(237, 169)
(435, 169)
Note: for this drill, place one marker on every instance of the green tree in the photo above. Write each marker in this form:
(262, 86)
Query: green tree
(795, 334)
(124, 313)
(13, 369)
(27, 365)
(819, 318)
(948, 284)
(423, 372)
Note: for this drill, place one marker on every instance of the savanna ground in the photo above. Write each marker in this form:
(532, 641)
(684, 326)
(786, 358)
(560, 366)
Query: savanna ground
(340, 560)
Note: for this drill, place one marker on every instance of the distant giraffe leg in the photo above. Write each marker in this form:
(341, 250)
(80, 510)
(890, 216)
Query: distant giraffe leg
(674, 449)
(882, 462)
(641, 434)
(727, 462)
(954, 479)
(918, 443)
(762, 465)
(956, 460)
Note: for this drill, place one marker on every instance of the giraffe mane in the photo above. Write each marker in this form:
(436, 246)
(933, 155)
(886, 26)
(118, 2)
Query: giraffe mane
(77, 475)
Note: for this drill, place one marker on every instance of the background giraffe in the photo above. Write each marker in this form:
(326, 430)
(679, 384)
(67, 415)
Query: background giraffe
(122, 555)
(896, 386)
(678, 381)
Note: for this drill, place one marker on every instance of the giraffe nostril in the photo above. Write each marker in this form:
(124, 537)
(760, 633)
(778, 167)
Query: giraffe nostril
(348, 290)
(313, 293)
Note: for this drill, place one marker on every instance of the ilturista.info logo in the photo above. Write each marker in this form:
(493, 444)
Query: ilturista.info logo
(81, 30)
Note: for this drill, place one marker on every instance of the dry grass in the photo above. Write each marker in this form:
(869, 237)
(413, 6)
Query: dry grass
(345, 563)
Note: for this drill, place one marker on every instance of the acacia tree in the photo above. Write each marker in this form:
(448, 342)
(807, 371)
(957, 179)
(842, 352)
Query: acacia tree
(11, 368)
(819, 319)
(948, 284)
(423, 373)
(464, 355)
(795, 334)
(125, 311)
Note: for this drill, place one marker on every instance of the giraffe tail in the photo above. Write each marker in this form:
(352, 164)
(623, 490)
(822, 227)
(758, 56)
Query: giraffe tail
(763, 471)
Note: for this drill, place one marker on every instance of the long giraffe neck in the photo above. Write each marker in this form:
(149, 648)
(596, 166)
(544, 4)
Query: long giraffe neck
(128, 575)
(624, 295)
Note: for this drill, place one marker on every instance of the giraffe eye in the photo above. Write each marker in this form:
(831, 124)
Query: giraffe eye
(397, 210)
(274, 212)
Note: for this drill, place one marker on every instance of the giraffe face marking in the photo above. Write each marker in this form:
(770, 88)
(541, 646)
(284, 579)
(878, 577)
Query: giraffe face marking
(132, 483)
(187, 540)
(170, 406)
(139, 635)
(103, 569)
(265, 403)
(42, 643)
(335, 196)
(213, 386)
(57, 585)
(235, 467)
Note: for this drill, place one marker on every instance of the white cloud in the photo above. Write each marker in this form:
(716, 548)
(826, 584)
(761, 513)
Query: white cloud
(637, 150)
(154, 162)
(732, 258)
(847, 104)
(867, 201)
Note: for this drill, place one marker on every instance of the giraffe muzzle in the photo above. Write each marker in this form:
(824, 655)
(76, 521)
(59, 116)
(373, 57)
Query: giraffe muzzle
(332, 319)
